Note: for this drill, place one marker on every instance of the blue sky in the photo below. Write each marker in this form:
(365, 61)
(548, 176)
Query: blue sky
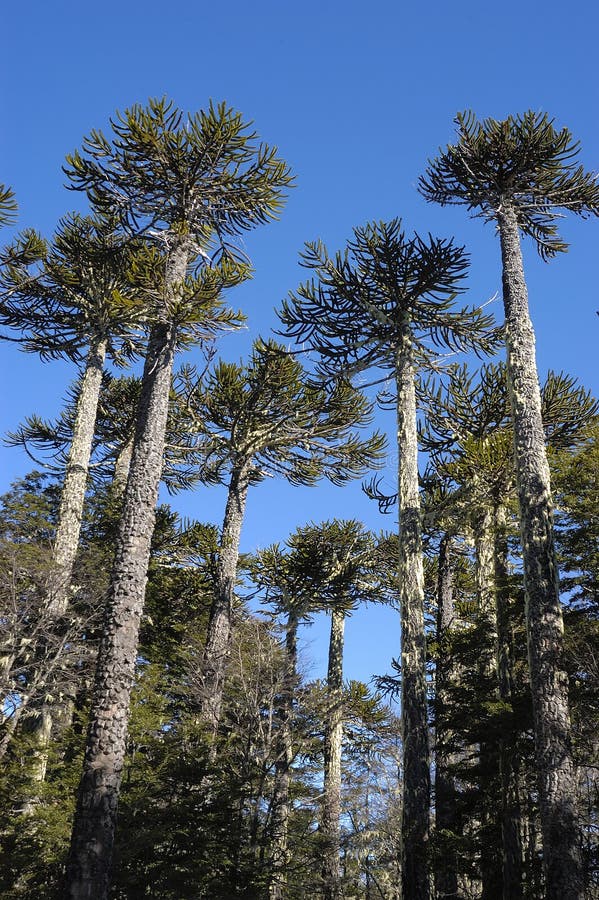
(357, 96)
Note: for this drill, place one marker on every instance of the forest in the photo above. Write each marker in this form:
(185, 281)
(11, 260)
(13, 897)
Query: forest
(160, 733)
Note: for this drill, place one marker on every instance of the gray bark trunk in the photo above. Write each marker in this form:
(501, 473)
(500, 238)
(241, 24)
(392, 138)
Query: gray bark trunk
(331, 803)
(446, 819)
(89, 864)
(72, 498)
(415, 824)
(508, 760)
(218, 636)
(549, 685)
(284, 758)
(66, 542)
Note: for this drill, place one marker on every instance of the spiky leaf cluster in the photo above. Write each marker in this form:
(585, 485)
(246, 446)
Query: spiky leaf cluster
(333, 563)
(270, 418)
(115, 425)
(62, 295)
(468, 430)
(364, 302)
(523, 162)
(8, 205)
(198, 174)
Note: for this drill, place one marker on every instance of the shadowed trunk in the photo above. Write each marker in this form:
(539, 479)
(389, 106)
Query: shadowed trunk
(557, 782)
(508, 757)
(331, 803)
(416, 774)
(446, 818)
(284, 758)
(218, 635)
(484, 577)
(89, 863)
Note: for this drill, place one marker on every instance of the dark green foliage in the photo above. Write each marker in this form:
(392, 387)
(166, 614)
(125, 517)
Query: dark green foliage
(522, 160)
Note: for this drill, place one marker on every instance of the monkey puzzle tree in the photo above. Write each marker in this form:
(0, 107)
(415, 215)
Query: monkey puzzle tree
(468, 434)
(519, 173)
(343, 565)
(387, 302)
(72, 299)
(186, 185)
(267, 418)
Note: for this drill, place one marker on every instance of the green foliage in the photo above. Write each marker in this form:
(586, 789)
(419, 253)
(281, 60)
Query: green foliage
(8, 205)
(270, 418)
(385, 286)
(522, 162)
(194, 174)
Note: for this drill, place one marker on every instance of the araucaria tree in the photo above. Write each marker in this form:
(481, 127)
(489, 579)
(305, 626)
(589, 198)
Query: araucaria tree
(185, 185)
(519, 173)
(386, 302)
(266, 418)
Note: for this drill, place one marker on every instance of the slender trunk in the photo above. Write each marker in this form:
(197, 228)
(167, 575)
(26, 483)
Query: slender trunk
(218, 636)
(284, 758)
(331, 803)
(508, 757)
(89, 863)
(446, 818)
(72, 498)
(416, 773)
(549, 685)
(66, 543)
(484, 577)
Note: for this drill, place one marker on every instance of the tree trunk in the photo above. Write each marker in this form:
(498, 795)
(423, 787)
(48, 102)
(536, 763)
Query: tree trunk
(89, 863)
(284, 758)
(72, 497)
(331, 804)
(549, 685)
(416, 774)
(66, 543)
(508, 757)
(484, 577)
(446, 819)
(218, 635)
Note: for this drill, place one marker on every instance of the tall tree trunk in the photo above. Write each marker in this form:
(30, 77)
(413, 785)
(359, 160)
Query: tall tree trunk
(284, 758)
(484, 576)
(446, 818)
(66, 543)
(415, 824)
(331, 803)
(218, 635)
(508, 757)
(72, 497)
(549, 685)
(90, 858)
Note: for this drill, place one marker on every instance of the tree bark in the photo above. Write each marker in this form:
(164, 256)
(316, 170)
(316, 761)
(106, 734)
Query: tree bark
(446, 819)
(508, 758)
(72, 497)
(484, 577)
(89, 864)
(561, 856)
(331, 803)
(415, 823)
(66, 543)
(218, 635)
(284, 758)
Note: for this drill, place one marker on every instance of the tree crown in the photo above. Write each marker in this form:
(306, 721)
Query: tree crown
(522, 162)
(383, 289)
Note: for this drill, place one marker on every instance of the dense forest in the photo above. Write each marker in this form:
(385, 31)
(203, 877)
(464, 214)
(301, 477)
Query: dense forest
(160, 734)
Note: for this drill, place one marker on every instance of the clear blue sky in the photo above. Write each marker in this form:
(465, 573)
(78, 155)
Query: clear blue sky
(357, 96)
